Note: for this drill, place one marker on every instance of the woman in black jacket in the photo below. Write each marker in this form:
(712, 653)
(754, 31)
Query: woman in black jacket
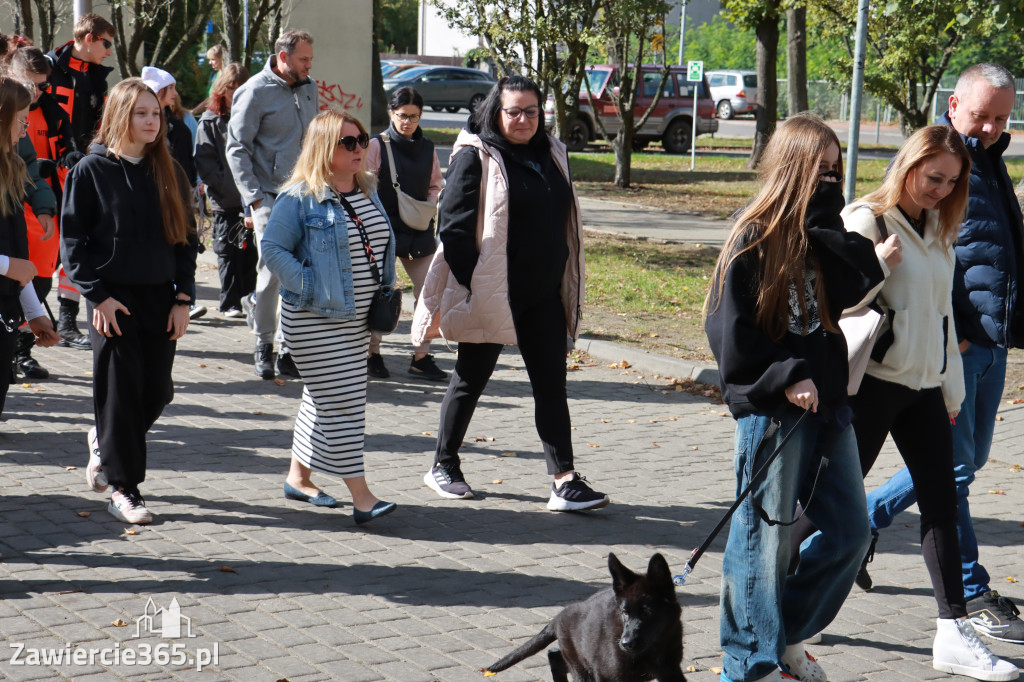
(128, 242)
(784, 277)
(232, 241)
(419, 175)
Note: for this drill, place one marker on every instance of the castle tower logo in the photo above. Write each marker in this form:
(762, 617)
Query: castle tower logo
(170, 618)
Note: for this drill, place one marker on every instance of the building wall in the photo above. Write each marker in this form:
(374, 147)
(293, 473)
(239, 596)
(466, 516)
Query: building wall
(437, 38)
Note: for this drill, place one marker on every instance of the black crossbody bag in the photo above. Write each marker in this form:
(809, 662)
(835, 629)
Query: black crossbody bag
(386, 306)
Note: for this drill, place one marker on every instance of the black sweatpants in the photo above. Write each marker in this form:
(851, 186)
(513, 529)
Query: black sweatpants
(8, 342)
(236, 266)
(919, 424)
(131, 379)
(540, 331)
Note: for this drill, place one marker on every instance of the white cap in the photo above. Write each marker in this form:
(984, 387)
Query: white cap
(157, 79)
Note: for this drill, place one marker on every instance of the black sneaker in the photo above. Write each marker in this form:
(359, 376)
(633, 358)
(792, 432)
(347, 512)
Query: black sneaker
(447, 481)
(263, 360)
(863, 580)
(424, 368)
(375, 366)
(996, 616)
(576, 495)
(286, 366)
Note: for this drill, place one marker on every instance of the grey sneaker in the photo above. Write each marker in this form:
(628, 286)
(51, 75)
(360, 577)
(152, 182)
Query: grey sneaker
(576, 495)
(94, 475)
(447, 481)
(995, 616)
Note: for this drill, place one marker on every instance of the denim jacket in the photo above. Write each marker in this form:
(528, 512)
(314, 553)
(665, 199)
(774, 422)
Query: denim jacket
(306, 246)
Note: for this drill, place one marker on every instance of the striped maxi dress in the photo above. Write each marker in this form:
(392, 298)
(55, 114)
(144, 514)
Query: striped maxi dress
(330, 354)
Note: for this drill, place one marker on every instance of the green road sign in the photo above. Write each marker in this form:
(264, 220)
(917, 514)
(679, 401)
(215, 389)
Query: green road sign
(694, 71)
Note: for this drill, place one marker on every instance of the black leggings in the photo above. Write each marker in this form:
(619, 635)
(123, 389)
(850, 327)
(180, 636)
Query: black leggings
(919, 424)
(540, 332)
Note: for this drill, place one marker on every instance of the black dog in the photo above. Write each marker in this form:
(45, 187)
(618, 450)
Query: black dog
(631, 632)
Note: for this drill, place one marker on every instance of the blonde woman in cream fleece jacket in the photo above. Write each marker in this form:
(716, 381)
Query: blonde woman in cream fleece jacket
(914, 383)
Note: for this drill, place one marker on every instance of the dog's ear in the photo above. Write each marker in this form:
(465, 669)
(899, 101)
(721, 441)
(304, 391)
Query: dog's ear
(659, 574)
(622, 577)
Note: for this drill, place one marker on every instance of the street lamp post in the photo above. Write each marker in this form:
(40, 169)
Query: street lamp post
(682, 30)
(853, 140)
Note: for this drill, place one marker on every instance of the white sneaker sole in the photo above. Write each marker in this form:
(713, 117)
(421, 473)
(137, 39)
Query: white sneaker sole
(137, 518)
(428, 478)
(976, 673)
(556, 503)
(94, 475)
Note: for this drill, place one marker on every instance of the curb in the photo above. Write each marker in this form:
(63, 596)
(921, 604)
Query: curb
(645, 361)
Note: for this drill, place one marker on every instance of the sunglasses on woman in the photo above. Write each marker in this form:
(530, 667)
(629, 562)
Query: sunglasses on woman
(349, 142)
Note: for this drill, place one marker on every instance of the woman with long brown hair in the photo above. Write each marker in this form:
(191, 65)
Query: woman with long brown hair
(128, 242)
(232, 240)
(784, 277)
(18, 302)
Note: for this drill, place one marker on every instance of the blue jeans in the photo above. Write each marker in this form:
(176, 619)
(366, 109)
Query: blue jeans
(984, 374)
(763, 610)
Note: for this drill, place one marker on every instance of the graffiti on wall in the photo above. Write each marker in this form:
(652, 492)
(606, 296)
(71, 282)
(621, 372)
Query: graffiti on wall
(332, 96)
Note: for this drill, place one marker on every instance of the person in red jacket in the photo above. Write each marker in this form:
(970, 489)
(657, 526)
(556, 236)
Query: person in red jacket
(79, 86)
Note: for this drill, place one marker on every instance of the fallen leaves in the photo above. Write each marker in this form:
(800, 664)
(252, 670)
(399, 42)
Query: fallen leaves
(509, 454)
(119, 623)
(621, 364)
(593, 445)
(279, 381)
(426, 433)
(1011, 579)
(131, 531)
(85, 515)
(69, 467)
(996, 492)
(497, 481)
(227, 569)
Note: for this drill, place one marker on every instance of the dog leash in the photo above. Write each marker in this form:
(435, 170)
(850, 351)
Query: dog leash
(754, 480)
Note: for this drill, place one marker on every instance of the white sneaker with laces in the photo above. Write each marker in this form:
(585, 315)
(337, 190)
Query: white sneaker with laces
(802, 665)
(958, 650)
(94, 475)
(128, 506)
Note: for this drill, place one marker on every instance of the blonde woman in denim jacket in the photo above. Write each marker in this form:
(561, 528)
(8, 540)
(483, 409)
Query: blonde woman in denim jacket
(313, 247)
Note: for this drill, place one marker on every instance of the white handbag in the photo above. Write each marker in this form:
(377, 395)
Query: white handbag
(862, 327)
(414, 213)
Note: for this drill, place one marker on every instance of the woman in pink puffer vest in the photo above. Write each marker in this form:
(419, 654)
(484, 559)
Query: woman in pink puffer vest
(509, 271)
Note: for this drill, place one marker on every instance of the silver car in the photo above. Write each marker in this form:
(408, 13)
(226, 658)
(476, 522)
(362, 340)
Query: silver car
(734, 92)
(450, 87)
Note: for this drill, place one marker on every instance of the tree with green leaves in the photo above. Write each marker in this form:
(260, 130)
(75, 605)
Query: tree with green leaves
(546, 40)
(910, 46)
(763, 17)
(626, 26)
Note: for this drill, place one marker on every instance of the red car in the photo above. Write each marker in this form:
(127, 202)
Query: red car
(672, 119)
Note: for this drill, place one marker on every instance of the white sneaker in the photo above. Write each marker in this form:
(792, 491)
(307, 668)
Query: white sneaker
(128, 506)
(802, 665)
(94, 475)
(958, 650)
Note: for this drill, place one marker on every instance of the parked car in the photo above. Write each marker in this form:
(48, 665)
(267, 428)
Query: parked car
(672, 118)
(389, 68)
(450, 87)
(734, 92)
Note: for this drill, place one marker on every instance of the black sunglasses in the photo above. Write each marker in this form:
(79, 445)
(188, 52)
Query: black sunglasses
(349, 142)
(106, 43)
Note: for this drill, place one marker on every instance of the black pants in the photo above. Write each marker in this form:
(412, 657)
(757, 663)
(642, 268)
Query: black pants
(236, 266)
(541, 334)
(131, 379)
(8, 342)
(919, 424)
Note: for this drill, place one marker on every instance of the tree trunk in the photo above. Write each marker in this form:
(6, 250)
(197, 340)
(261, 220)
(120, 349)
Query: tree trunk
(767, 88)
(378, 99)
(27, 23)
(623, 146)
(232, 17)
(796, 62)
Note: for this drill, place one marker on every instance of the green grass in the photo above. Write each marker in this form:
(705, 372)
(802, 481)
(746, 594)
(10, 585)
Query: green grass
(441, 136)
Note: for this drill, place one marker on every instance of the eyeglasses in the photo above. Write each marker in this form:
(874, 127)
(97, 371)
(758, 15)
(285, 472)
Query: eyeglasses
(23, 122)
(349, 142)
(41, 87)
(406, 118)
(106, 43)
(512, 113)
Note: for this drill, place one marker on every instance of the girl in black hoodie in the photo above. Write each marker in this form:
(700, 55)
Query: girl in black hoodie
(784, 277)
(128, 242)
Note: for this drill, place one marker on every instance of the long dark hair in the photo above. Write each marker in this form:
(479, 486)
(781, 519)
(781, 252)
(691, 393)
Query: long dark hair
(484, 120)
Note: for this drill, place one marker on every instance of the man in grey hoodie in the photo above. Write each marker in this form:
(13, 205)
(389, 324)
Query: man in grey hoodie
(269, 117)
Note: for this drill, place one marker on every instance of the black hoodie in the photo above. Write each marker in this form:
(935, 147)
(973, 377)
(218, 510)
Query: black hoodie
(80, 89)
(112, 228)
(756, 371)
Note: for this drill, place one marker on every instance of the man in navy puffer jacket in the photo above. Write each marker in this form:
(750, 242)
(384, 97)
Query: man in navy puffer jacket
(989, 320)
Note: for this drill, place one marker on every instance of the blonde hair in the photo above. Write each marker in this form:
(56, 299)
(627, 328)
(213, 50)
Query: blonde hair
(773, 225)
(925, 144)
(312, 174)
(116, 130)
(13, 98)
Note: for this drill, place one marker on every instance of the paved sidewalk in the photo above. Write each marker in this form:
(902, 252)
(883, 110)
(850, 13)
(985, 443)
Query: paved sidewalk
(435, 591)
